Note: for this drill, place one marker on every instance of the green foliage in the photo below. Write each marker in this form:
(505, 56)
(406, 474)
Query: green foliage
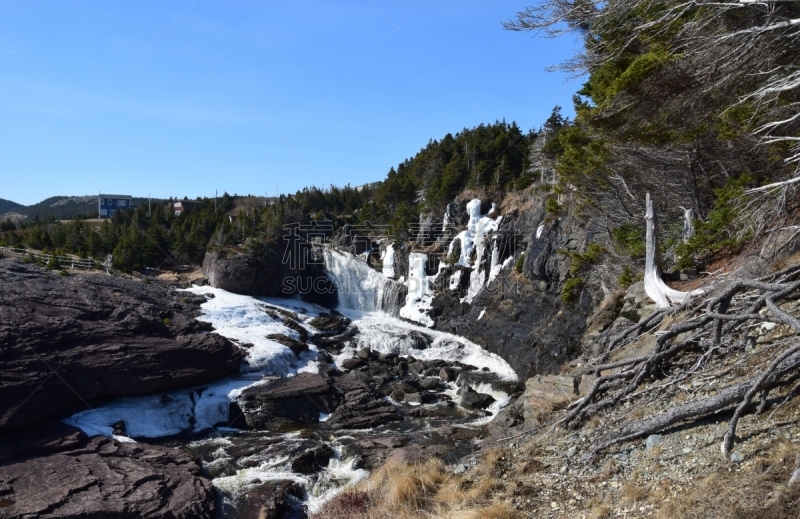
(519, 264)
(453, 258)
(720, 229)
(630, 239)
(53, 263)
(627, 278)
(552, 206)
(571, 289)
(146, 280)
(589, 257)
(63, 273)
(166, 321)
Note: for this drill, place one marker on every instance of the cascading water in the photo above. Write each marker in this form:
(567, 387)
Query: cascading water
(360, 287)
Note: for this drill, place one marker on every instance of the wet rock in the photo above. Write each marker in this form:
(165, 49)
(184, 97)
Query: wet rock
(420, 398)
(105, 478)
(312, 460)
(109, 336)
(295, 400)
(429, 383)
(330, 324)
(471, 399)
(448, 374)
(353, 363)
(364, 353)
(293, 344)
(419, 340)
(388, 358)
(362, 406)
(274, 500)
(398, 395)
(417, 367)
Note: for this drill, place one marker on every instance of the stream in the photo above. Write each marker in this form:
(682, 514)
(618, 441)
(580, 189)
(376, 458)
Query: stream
(245, 464)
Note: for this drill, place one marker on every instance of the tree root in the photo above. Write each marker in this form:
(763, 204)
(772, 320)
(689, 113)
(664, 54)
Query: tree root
(737, 305)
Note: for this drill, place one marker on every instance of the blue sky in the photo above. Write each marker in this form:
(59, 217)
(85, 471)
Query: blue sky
(181, 98)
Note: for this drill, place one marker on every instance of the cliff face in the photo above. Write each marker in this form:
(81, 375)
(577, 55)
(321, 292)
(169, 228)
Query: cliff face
(520, 314)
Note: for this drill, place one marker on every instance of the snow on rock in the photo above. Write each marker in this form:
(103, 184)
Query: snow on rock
(385, 334)
(246, 321)
(419, 300)
(477, 228)
(539, 231)
(388, 261)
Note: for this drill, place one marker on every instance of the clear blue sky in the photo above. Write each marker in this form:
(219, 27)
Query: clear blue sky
(137, 108)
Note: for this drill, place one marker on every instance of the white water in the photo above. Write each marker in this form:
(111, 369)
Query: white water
(388, 261)
(359, 286)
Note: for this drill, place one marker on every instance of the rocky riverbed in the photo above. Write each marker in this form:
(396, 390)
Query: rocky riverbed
(204, 403)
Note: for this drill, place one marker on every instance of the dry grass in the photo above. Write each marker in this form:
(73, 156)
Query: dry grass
(404, 491)
(757, 491)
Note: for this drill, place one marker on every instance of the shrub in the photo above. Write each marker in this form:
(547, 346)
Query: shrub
(519, 264)
(629, 238)
(63, 273)
(590, 257)
(552, 206)
(53, 263)
(571, 289)
(720, 229)
(627, 278)
(166, 321)
(146, 280)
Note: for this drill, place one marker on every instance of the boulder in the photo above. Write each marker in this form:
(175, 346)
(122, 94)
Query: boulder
(636, 303)
(471, 399)
(420, 398)
(247, 274)
(353, 363)
(288, 401)
(544, 393)
(448, 374)
(293, 344)
(312, 460)
(105, 336)
(330, 324)
(273, 500)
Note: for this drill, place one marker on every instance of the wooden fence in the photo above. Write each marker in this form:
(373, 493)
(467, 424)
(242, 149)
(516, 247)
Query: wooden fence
(66, 261)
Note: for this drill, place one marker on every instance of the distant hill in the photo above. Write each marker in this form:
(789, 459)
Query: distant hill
(7, 206)
(60, 207)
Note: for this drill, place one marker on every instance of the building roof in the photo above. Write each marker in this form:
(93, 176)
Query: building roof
(114, 196)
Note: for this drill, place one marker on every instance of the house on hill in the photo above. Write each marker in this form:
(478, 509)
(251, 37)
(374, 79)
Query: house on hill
(107, 205)
(183, 206)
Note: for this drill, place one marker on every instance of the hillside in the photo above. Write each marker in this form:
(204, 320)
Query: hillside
(7, 206)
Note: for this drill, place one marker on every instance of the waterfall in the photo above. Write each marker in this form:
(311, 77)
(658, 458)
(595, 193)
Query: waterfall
(360, 287)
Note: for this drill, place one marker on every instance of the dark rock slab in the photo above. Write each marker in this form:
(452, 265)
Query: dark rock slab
(362, 406)
(330, 324)
(67, 339)
(105, 478)
(287, 401)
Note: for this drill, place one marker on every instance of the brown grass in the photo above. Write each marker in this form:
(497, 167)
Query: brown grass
(429, 489)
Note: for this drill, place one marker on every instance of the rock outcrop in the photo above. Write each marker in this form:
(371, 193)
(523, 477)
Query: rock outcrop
(78, 477)
(68, 340)
(246, 274)
(521, 315)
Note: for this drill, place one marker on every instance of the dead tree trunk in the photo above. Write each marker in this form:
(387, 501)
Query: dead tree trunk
(654, 286)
